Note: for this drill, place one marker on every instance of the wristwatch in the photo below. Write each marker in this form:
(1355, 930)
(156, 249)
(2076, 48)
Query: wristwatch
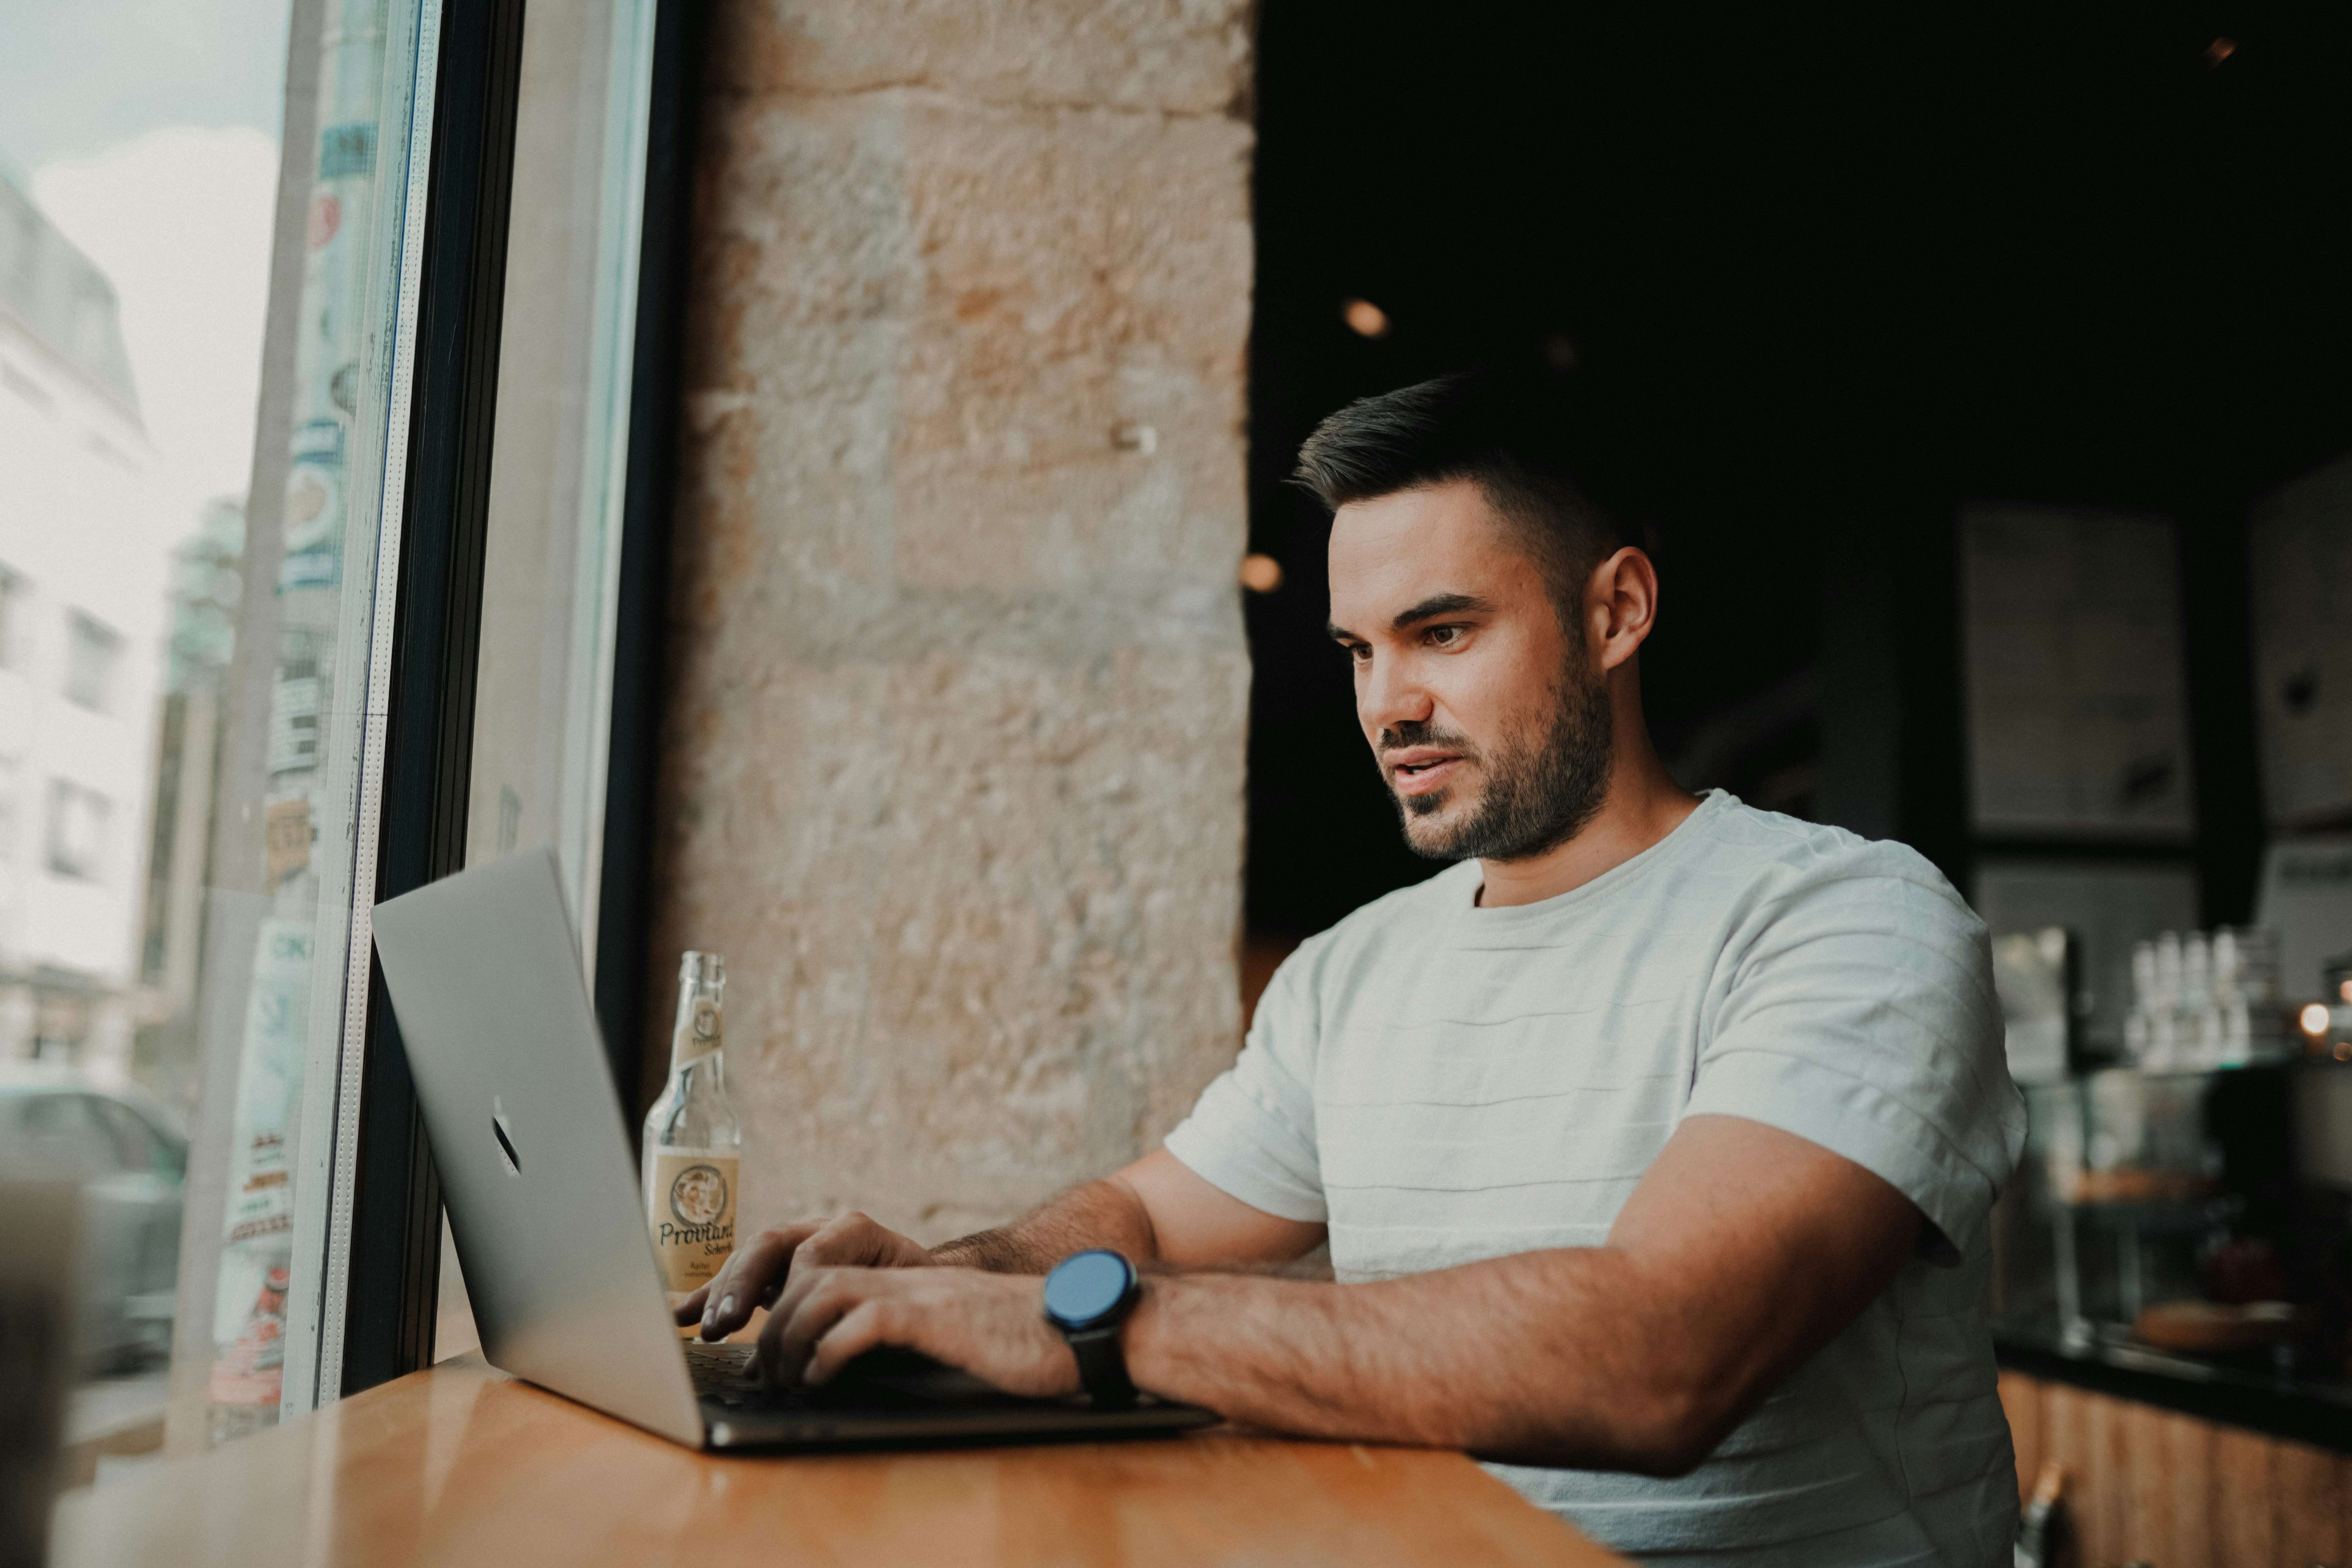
(1087, 1296)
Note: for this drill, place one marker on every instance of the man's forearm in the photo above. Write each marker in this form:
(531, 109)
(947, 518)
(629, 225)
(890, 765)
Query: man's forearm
(1543, 1358)
(1638, 1354)
(1101, 1214)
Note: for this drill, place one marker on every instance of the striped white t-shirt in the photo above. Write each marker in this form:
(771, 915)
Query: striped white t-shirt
(1443, 1083)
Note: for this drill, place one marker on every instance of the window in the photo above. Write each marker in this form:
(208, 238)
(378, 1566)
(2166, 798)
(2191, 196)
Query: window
(92, 652)
(9, 770)
(551, 555)
(241, 458)
(77, 830)
(13, 596)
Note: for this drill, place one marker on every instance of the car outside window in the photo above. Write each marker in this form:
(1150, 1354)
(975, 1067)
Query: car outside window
(66, 1124)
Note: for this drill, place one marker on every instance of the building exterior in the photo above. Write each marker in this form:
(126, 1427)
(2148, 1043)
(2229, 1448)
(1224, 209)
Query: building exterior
(85, 548)
(207, 586)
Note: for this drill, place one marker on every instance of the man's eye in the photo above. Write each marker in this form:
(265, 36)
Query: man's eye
(1445, 636)
(1360, 652)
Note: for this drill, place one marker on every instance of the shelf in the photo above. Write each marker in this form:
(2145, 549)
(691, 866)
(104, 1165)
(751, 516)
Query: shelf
(2304, 1406)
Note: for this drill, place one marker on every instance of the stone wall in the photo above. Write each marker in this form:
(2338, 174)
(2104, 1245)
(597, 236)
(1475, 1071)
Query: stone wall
(955, 742)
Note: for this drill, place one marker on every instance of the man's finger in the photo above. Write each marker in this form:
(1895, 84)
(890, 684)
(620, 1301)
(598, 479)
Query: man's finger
(810, 1304)
(767, 1353)
(691, 1308)
(861, 1328)
(832, 1242)
(749, 1278)
(860, 1241)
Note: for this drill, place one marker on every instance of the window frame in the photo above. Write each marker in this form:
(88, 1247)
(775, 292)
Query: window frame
(622, 979)
(383, 1260)
(383, 1270)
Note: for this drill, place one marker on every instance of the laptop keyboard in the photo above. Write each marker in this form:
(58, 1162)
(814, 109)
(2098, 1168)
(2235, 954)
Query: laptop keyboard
(889, 1395)
(723, 1373)
(880, 1379)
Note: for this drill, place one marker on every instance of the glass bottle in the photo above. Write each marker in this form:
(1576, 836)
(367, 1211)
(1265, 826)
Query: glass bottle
(693, 1144)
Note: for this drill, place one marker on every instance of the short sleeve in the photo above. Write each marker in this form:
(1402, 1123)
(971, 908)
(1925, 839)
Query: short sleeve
(1252, 1132)
(1861, 1017)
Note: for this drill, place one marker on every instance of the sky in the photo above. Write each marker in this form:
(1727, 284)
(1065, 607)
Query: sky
(77, 77)
(147, 131)
(179, 218)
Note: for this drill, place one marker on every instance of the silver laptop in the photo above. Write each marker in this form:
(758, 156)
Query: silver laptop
(484, 976)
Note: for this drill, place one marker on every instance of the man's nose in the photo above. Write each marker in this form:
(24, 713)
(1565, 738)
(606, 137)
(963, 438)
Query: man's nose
(1390, 696)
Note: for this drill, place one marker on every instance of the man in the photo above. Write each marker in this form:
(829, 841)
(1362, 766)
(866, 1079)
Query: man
(1653, 1141)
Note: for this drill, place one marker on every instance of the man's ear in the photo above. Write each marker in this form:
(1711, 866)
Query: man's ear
(1621, 604)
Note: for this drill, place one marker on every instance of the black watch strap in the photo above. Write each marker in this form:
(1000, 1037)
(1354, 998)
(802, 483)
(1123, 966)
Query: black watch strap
(1102, 1366)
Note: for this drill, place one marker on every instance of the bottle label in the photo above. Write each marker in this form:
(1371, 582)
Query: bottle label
(691, 1205)
(697, 1037)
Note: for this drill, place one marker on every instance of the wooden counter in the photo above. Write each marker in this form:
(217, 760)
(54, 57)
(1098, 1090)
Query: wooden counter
(2157, 1486)
(462, 1466)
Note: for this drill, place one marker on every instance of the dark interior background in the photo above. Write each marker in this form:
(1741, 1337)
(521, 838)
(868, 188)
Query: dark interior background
(1817, 280)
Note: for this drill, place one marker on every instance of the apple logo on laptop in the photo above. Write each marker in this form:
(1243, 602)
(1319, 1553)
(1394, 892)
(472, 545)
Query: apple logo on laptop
(505, 1135)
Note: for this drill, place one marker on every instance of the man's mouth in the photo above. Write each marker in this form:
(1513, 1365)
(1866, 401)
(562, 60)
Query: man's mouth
(1418, 770)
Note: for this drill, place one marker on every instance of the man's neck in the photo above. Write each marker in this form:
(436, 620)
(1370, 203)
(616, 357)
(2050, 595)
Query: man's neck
(1644, 805)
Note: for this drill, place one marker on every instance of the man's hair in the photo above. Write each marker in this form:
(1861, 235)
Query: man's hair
(1506, 435)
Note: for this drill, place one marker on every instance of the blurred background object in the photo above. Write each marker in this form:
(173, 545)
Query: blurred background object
(2034, 972)
(129, 1159)
(38, 1220)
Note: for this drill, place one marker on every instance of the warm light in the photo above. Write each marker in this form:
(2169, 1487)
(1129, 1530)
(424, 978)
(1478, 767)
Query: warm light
(2314, 1020)
(2220, 49)
(1261, 573)
(1365, 319)
(2344, 989)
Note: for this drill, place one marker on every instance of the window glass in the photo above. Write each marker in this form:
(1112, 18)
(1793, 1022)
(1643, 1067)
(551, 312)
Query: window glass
(208, 218)
(11, 585)
(134, 1145)
(552, 551)
(93, 650)
(77, 831)
(65, 1120)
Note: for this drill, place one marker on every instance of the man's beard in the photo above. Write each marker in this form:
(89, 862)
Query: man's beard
(1538, 796)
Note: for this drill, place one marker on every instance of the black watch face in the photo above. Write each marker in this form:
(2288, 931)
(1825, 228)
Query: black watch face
(1086, 1285)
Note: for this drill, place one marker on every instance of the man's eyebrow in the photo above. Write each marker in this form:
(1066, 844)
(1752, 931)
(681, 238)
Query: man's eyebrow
(1428, 609)
(1438, 604)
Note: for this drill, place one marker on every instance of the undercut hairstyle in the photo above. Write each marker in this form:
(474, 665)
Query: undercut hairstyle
(1507, 436)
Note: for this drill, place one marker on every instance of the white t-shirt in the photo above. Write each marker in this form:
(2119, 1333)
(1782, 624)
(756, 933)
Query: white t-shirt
(1443, 1083)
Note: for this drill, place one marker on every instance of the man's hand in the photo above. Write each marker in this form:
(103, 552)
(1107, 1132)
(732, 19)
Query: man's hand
(991, 1325)
(756, 1274)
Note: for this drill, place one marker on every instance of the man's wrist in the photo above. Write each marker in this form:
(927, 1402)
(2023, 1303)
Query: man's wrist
(956, 1254)
(989, 1249)
(1088, 1296)
(1142, 1338)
